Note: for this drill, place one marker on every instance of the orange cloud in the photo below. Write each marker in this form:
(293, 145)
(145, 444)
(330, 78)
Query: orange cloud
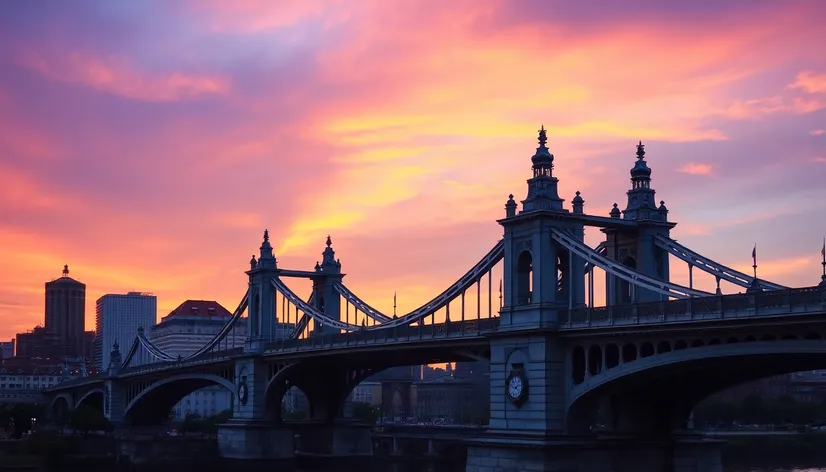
(119, 77)
(697, 169)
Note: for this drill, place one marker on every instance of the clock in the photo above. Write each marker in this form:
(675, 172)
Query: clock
(516, 387)
(242, 391)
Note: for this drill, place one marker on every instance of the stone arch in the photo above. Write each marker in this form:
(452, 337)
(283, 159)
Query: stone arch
(646, 350)
(594, 359)
(612, 356)
(629, 352)
(663, 346)
(680, 345)
(714, 341)
(524, 277)
(683, 378)
(697, 343)
(93, 399)
(60, 409)
(153, 404)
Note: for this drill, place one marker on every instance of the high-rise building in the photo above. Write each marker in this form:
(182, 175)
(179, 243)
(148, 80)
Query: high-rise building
(65, 314)
(117, 319)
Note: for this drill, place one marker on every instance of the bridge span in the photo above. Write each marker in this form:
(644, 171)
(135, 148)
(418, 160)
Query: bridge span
(559, 362)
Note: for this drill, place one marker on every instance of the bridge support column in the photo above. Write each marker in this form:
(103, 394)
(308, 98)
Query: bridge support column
(248, 435)
(114, 402)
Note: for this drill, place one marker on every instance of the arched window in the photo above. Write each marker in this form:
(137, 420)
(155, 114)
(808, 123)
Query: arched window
(524, 278)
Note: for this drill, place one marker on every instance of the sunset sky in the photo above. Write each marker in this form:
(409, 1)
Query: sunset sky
(148, 143)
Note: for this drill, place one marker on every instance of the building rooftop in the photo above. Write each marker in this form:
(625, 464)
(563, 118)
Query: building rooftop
(65, 279)
(200, 308)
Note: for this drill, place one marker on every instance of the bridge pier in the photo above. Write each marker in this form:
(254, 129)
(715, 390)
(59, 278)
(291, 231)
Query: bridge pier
(256, 440)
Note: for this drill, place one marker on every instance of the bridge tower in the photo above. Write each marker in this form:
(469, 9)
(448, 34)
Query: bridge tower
(541, 277)
(635, 247)
(325, 296)
(261, 314)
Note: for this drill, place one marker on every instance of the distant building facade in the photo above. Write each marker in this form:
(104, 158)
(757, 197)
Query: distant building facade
(66, 314)
(37, 343)
(117, 319)
(7, 349)
(193, 324)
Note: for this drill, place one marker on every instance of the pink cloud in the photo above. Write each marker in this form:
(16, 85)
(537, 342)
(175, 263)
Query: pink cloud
(817, 132)
(810, 82)
(696, 169)
(118, 76)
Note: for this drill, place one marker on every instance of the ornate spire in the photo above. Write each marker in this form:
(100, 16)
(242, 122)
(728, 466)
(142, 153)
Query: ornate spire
(329, 263)
(543, 193)
(267, 258)
(640, 150)
(543, 137)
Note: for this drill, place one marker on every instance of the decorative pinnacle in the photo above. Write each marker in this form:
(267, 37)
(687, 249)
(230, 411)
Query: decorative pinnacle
(65, 270)
(329, 241)
(266, 235)
(640, 150)
(543, 137)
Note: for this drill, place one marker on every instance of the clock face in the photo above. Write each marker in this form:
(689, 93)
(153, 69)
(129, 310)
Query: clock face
(515, 387)
(242, 393)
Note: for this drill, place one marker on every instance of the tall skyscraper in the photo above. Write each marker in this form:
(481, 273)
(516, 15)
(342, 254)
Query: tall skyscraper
(117, 319)
(65, 314)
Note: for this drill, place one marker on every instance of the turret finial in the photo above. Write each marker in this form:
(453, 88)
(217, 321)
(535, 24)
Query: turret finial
(329, 241)
(640, 151)
(266, 235)
(543, 136)
(65, 270)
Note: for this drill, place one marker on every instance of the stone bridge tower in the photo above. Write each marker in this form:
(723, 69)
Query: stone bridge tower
(541, 277)
(635, 247)
(261, 313)
(325, 296)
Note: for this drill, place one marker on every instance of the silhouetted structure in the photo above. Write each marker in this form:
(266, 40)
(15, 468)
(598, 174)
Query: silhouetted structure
(65, 314)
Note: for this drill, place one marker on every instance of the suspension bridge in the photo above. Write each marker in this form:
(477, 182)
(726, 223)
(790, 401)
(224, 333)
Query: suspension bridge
(561, 363)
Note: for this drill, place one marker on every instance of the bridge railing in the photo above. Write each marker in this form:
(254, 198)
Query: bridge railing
(806, 300)
(447, 330)
(206, 358)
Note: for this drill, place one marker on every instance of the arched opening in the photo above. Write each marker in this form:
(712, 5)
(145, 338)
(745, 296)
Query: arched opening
(646, 350)
(612, 356)
(594, 360)
(563, 279)
(663, 346)
(154, 405)
(578, 365)
(659, 397)
(626, 290)
(697, 343)
(92, 399)
(60, 411)
(714, 341)
(524, 278)
(295, 406)
(629, 352)
(680, 345)
(768, 337)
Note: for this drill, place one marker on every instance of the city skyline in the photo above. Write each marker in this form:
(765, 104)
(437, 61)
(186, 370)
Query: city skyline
(158, 173)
